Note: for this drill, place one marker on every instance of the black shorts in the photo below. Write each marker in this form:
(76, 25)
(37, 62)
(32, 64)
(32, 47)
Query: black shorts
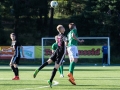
(58, 56)
(15, 60)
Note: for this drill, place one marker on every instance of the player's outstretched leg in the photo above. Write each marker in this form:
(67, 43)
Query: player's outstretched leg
(37, 70)
(35, 73)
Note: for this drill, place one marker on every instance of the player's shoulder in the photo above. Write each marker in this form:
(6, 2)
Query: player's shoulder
(18, 43)
(58, 35)
(73, 31)
(54, 44)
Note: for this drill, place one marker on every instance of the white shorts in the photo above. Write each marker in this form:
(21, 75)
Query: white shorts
(72, 52)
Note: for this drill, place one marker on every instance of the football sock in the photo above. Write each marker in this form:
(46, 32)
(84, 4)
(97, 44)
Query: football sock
(71, 68)
(53, 74)
(13, 69)
(59, 70)
(16, 72)
(43, 65)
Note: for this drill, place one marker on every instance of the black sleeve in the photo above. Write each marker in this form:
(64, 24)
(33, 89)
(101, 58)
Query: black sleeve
(18, 43)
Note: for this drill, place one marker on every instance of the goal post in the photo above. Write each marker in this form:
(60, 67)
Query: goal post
(90, 42)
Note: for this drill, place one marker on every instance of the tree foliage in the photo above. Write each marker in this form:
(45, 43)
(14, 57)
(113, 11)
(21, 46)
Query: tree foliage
(2, 34)
(100, 18)
(92, 17)
(95, 18)
(27, 18)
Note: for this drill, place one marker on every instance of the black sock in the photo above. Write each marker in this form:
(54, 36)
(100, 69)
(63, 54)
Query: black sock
(13, 69)
(43, 65)
(53, 74)
(16, 72)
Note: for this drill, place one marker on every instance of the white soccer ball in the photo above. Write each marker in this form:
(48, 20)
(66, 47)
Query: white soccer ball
(54, 4)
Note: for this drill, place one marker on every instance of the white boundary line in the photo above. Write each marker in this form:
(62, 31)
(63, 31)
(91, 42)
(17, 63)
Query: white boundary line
(55, 83)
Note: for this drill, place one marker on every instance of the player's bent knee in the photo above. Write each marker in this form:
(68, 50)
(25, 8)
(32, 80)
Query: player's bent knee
(57, 66)
(11, 64)
(15, 65)
(75, 60)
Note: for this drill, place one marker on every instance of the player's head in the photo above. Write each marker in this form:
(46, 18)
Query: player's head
(60, 29)
(56, 38)
(72, 26)
(13, 36)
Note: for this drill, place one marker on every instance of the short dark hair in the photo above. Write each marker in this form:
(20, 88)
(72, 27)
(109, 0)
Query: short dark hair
(71, 26)
(12, 34)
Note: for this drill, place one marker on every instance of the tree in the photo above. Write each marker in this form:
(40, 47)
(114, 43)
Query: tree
(100, 18)
(2, 34)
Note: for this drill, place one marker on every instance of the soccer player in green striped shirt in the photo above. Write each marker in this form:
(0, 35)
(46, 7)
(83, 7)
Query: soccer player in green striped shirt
(72, 50)
(54, 47)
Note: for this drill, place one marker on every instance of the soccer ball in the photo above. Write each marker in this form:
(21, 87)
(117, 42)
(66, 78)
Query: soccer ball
(54, 3)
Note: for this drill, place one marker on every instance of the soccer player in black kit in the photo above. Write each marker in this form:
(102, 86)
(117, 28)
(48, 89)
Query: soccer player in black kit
(16, 46)
(57, 56)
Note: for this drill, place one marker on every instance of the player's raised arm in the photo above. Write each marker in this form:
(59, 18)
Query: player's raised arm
(80, 41)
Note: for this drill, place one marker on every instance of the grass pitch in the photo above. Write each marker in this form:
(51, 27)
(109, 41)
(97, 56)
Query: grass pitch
(87, 78)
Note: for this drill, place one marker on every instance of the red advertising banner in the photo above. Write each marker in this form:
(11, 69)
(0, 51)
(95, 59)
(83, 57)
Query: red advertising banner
(6, 54)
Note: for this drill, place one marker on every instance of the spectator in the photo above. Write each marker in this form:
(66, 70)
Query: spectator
(105, 54)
